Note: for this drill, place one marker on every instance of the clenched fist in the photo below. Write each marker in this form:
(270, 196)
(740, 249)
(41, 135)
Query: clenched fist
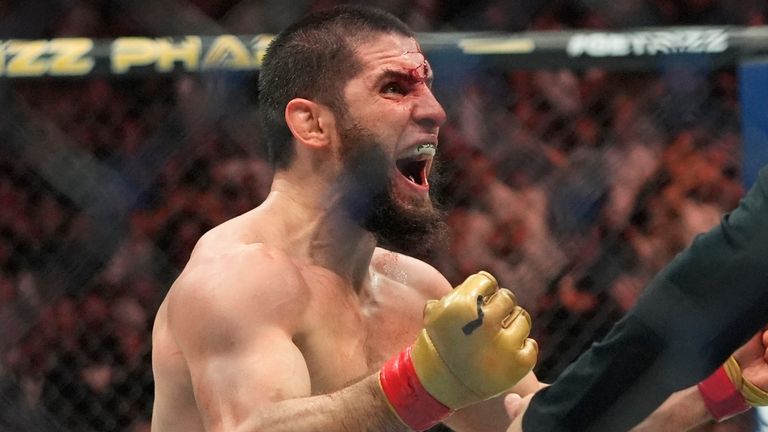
(474, 346)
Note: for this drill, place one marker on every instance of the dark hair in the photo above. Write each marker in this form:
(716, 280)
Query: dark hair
(314, 58)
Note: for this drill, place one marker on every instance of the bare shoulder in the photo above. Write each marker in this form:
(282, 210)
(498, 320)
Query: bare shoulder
(230, 286)
(410, 271)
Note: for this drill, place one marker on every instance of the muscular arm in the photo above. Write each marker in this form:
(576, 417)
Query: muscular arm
(359, 407)
(705, 304)
(234, 320)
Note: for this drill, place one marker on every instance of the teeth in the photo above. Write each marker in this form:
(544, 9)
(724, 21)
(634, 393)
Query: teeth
(422, 149)
(427, 148)
(412, 179)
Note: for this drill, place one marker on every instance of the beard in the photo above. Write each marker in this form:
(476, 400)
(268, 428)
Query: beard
(414, 227)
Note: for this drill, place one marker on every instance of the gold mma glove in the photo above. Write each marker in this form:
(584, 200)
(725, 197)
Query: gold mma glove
(753, 395)
(474, 346)
(727, 393)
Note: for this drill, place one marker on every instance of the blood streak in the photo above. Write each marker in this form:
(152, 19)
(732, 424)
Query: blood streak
(420, 72)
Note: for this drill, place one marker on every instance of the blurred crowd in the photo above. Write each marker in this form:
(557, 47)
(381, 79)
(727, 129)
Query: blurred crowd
(573, 187)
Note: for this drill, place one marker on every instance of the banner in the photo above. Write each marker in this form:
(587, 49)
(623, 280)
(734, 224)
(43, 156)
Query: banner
(70, 57)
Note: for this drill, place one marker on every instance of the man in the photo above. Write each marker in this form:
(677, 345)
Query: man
(706, 302)
(289, 317)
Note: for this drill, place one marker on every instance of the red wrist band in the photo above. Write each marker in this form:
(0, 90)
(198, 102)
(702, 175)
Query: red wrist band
(722, 398)
(407, 397)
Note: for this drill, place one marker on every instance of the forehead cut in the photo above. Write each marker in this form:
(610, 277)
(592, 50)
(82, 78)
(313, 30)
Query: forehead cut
(392, 54)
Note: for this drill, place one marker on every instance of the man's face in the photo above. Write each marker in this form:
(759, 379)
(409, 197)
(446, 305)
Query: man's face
(388, 141)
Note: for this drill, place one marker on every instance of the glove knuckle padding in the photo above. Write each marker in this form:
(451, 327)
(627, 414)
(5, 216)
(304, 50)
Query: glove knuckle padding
(500, 305)
(529, 353)
(478, 284)
(465, 353)
(518, 328)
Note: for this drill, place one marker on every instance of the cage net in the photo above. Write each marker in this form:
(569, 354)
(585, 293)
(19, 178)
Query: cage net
(572, 186)
(575, 187)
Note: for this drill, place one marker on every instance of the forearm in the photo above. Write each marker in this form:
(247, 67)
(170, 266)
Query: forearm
(359, 407)
(682, 411)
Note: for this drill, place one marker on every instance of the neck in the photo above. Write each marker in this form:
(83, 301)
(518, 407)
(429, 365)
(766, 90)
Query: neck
(315, 228)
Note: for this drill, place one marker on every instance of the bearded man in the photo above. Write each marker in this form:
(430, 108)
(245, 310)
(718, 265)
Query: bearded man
(291, 316)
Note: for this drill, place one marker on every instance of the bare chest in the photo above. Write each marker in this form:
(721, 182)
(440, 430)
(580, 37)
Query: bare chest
(348, 337)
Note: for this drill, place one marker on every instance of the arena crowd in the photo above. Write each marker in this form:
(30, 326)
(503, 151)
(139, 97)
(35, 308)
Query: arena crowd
(573, 187)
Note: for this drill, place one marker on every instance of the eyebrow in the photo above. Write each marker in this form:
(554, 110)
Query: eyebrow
(401, 75)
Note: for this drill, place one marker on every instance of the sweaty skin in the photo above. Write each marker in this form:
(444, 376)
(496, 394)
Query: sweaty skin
(283, 315)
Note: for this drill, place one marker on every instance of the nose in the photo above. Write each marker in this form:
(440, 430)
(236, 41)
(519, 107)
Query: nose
(427, 111)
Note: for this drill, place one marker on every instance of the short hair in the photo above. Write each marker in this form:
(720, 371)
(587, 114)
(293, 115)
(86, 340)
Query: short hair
(314, 58)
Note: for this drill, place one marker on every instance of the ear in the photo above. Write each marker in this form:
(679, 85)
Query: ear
(311, 123)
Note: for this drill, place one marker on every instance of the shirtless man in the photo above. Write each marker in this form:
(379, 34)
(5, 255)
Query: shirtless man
(290, 317)
(284, 317)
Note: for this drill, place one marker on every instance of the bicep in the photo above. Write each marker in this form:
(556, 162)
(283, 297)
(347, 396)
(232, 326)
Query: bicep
(235, 334)
(230, 384)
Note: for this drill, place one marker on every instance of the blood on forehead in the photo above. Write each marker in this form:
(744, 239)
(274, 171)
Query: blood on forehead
(420, 72)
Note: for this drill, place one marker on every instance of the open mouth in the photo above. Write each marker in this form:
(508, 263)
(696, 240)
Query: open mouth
(414, 170)
(414, 166)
